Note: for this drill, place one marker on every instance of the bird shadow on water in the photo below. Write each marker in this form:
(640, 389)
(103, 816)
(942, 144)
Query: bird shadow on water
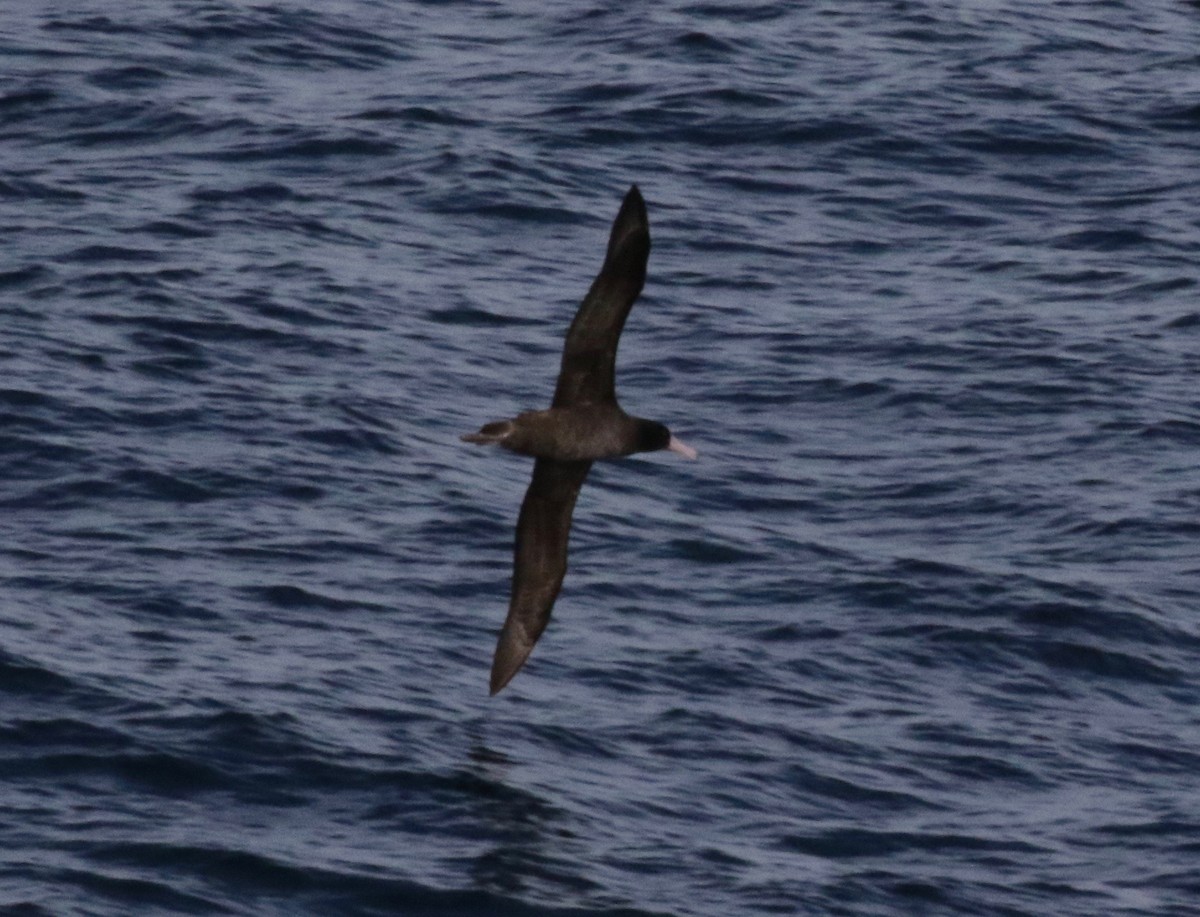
(525, 832)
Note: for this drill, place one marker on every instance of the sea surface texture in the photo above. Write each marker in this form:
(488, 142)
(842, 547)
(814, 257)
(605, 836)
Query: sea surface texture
(919, 633)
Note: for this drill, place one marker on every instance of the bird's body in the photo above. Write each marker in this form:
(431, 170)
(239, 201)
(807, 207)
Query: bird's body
(583, 424)
(589, 431)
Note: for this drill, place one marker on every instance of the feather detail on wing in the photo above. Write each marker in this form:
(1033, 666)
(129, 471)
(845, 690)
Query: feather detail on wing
(590, 353)
(539, 562)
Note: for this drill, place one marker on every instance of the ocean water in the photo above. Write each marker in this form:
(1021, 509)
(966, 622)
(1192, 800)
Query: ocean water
(918, 634)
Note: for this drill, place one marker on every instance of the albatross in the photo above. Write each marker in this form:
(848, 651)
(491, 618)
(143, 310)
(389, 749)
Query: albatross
(583, 423)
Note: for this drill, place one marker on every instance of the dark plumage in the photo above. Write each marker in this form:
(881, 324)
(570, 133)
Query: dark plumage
(583, 423)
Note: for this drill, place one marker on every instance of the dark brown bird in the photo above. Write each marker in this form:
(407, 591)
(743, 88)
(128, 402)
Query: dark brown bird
(583, 423)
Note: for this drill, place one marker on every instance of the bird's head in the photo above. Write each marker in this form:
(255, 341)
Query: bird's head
(653, 436)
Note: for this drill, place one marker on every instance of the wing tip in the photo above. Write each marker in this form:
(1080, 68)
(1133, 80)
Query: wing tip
(509, 660)
(631, 221)
(633, 204)
(502, 674)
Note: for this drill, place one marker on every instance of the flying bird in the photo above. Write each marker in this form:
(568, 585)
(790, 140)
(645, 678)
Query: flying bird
(584, 423)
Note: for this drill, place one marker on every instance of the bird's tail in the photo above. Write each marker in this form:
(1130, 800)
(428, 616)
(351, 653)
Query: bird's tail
(490, 433)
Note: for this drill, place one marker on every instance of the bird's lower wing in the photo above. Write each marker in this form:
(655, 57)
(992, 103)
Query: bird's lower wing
(539, 562)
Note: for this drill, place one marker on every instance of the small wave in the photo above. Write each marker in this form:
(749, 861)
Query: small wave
(284, 596)
(305, 148)
(850, 843)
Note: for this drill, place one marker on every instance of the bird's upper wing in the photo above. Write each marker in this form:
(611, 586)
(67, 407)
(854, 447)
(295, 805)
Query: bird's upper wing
(539, 562)
(590, 353)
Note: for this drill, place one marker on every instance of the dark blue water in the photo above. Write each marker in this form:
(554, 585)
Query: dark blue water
(918, 634)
